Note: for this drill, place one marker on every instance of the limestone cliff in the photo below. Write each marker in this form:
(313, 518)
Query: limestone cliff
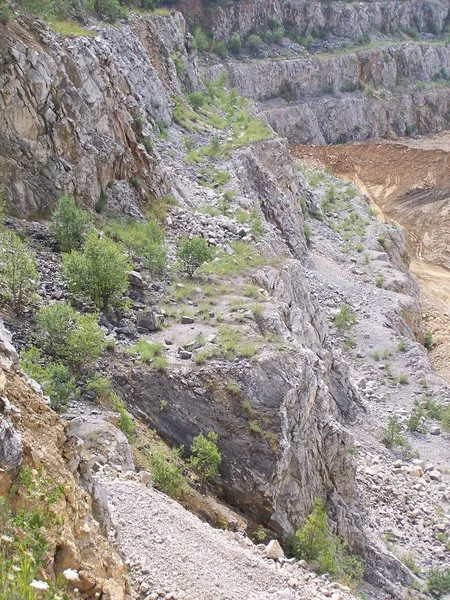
(343, 19)
(390, 91)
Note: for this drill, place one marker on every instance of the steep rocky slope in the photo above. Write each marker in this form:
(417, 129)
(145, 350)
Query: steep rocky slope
(349, 71)
(105, 119)
(388, 91)
(348, 20)
(33, 439)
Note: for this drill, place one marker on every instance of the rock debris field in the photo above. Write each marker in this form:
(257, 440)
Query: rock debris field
(174, 555)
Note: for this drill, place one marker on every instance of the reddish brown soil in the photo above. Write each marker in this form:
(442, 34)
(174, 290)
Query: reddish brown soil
(409, 183)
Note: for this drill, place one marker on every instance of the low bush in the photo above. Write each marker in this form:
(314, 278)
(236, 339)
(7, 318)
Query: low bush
(254, 43)
(391, 435)
(235, 43)
(438, 581)
(98, 273)
(327, 552)
(144, 239)
(345, 318)
(69, 225)
(69, 336)
(19, 276)
(205, 455)
(167, 476)
(193, 253)
(125, 422)
(28, 529)
(55, 378)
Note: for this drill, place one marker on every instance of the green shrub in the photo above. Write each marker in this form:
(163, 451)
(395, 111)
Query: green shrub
(193, 253)
(167, 476)
(391, 435)
(428, 341)
(69, 225)
(254, 43)
(196, 100)
(403, 379)
(415, 420)
(180, 67)
(380, 280)
(6, 14)
(144, 239)
(99, 386)
(147, 350)
(98, 273)
(109, 10)
(438, 581)
(19, 276)
(60, 385)
(327, 552)
(345, 318)
(202, 41)
(220, 48)
(235, 43)
(65, 334)
(28, 530)
(55, 378)
(205, 455)
(126, 421)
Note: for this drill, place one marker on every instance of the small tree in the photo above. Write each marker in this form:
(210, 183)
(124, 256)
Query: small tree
(205, 455)
(99, 272)
(19, 276)
(194, 253)
(70, 224)
(235, 43)
(67, 335)
(254, 43)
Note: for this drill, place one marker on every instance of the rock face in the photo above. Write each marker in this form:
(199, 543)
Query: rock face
(347, 20)
(79, 545)
(74, 112)
(386, 92)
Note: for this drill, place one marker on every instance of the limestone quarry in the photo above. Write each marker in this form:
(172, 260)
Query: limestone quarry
(306, 349)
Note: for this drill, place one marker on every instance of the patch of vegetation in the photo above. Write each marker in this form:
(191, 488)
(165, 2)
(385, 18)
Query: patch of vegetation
(244, 257)
(345, 319)
(126, 422)
(391, 435)
(409, 560)
(147, 351)
(415, 420)
(66, 335)
(438, 581)
(212, 177)
(144, 239)
(55, 378)
(192, 253)
(27, 531)
(235, 43)
(167, 475)
(380, 280)
(403, 379)
(71, 29)
(326, 552)
(19, 276)
(428, 341)
(98, 273)
(205, 455)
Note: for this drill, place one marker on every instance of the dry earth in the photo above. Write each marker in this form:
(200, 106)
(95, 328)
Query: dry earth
(409, 183)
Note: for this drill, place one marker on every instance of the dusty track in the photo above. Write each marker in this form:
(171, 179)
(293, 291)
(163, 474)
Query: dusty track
(409, 183)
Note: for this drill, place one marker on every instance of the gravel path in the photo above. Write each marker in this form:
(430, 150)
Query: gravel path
(174, 555)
